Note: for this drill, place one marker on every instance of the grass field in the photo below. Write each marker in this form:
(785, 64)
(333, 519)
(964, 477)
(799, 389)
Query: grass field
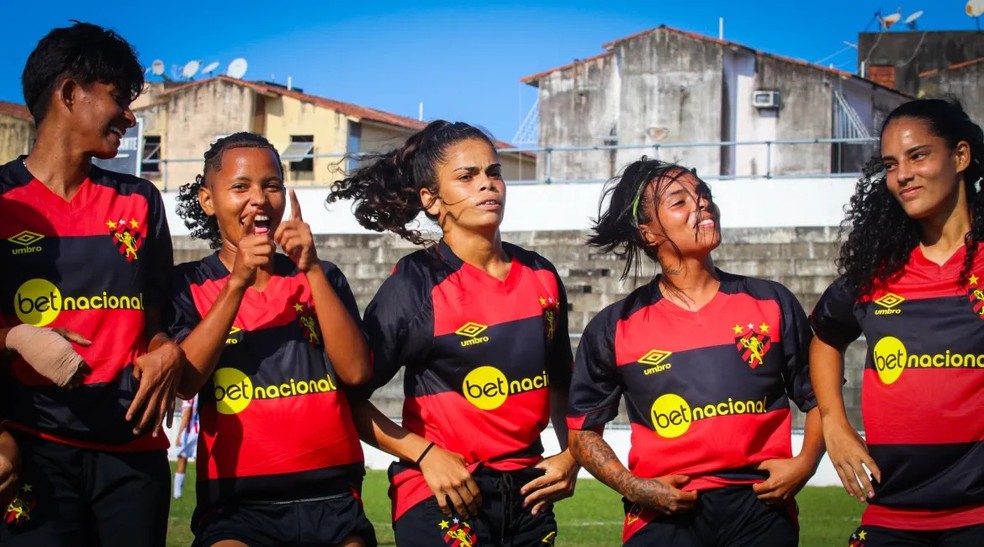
(593, 517)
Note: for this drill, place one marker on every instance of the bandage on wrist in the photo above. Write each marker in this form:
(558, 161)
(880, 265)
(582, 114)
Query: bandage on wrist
(45, 351)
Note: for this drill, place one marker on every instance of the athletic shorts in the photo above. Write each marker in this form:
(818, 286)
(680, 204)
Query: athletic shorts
(323, 521)
(731, 516)
(877, 536)
(501, 520)
(71, 496)
(189, 445)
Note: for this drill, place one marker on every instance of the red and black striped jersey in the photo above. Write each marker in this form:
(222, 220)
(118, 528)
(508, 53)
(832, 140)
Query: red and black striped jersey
(707, 392)
(922, 393)
(480, 355)
(93, 264)
(275, 423)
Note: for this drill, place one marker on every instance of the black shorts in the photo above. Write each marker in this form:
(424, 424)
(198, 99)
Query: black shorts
(501, 521)
(324, 521)
(877, 536)
(80, 497)
(730, 516)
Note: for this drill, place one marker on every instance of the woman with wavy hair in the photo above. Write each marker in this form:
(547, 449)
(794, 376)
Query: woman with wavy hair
(480, 328)
(912, 284)
(707, 362)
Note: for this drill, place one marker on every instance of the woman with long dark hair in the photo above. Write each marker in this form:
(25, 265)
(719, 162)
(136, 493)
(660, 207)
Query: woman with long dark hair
(911, 283)
(480, 328)
(708, 362)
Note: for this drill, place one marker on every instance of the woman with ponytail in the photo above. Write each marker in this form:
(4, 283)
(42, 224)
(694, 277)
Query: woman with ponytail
(912, 284)
(480, 328)
(708, 362)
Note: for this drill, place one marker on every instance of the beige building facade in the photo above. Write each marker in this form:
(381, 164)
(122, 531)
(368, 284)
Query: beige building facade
(17, 132)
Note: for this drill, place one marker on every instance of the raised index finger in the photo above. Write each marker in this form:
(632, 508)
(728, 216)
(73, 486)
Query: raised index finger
(248, 222)
(295, 206)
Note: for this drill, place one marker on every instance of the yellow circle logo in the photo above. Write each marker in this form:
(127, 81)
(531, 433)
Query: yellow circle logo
(486, 387)
(37, 302)
(890, 357)
(671, 415)
(233, 390)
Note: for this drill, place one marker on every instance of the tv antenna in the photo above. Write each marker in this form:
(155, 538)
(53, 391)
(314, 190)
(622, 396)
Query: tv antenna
(888, 20)
(237, 68)
(209, 68)
(911, 20)
(157, 67)
(190, 69)
(975, 8)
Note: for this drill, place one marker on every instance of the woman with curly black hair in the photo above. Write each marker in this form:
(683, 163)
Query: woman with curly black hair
(912, 284)
(271, 340)
(480, 327)
(708, 363)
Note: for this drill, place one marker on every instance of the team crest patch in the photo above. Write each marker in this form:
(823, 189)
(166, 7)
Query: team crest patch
(551, 310)
(126, 236)
(19, 510)
(753, 342)
(858, 538)
(457, 533)
(976, 295)
(309, 323)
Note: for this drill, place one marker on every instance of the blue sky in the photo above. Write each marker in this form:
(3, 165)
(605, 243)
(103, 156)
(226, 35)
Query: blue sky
(463, 62)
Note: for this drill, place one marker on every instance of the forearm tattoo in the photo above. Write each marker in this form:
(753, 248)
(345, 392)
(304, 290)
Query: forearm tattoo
(595, 455)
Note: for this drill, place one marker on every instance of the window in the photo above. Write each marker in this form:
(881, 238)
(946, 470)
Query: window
(353, 145)
(300, 146)
(151, 160)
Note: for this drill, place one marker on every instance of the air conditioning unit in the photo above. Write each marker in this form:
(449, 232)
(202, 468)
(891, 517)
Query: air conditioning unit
(765, 99)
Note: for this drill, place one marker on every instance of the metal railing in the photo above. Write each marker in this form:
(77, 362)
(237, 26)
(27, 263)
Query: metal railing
(547, 155)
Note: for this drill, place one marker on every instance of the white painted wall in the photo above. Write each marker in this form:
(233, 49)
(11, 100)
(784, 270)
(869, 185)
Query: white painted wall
(747, 203)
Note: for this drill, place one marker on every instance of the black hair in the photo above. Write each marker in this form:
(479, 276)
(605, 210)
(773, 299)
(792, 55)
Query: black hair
(617, 229)
(203, 226)
(86, 53)
(386, 190)
(882, 236)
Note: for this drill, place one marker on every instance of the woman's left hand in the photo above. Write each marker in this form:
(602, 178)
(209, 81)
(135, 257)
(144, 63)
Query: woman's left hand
(556, 483)
(787, 476)
(295, 238)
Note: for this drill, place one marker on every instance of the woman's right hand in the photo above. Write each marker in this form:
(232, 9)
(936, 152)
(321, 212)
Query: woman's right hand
(451, 482)
(849, 454)
(252, 252)
(663, 494)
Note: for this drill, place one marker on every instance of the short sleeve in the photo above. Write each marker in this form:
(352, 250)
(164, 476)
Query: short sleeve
(833, 318)
(397, 329)
(596, 386)
(159, 254)
(560, 360)
(184, 314)
(796, 338)
(341, 286)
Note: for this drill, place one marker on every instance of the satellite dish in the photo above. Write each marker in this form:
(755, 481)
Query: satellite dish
(190, 69)
(975, 8)
(237, 68)
(210, 67)
(157, 67)
(911, 20)
(890, 20)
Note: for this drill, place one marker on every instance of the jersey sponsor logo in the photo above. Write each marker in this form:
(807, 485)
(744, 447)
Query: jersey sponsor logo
(128, 240)
(891, 358)
(38, 302)
(235, 336)
(889, 304)
(26, 239)
(976, 296)
(458, 533)
(234, 390)
(309, 323)
(487, 387)
(672, 415)
(470, 331)
(551, 309)
(654, 359)
(753, 342)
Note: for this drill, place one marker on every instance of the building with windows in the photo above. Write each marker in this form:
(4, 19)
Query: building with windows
(17, 131)
(316, 136)
(663, 88)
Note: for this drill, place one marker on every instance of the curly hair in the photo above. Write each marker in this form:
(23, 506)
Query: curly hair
(617, 228)
(85, 52)
(202, 225)
(386, 191)
(882, 236)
